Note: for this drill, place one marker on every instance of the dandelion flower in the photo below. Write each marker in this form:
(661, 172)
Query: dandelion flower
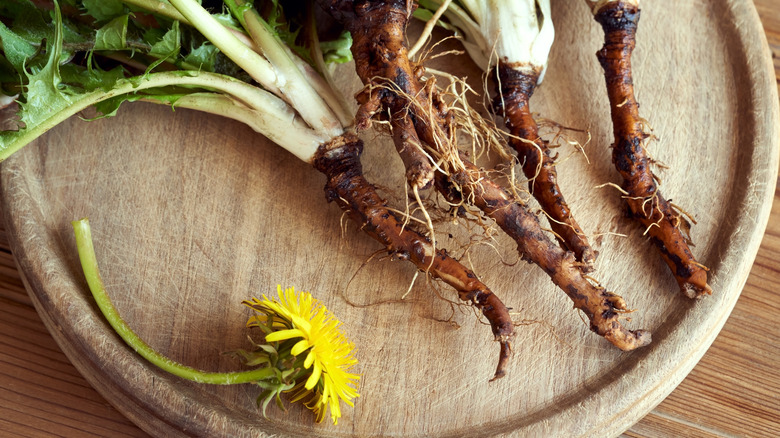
(322, 350)
(309, 356)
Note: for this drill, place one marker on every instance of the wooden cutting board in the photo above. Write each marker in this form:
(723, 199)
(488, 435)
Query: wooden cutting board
(192, 214)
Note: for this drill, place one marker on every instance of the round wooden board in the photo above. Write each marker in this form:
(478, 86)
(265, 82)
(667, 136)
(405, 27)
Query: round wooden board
(192, 214)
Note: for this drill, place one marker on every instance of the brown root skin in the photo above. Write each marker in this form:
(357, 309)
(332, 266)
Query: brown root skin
(379, 49)
(514, 88)
(419, 171)
(602, 308)
(661, 222)
(339, 160)
(378, 33)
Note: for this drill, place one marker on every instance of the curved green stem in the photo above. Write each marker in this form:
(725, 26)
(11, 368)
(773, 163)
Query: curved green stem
(95, 282)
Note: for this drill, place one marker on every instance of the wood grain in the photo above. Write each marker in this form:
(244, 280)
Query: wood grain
(733, 390)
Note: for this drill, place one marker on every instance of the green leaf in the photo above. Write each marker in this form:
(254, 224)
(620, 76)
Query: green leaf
(113, 35)
(75, 33)
(17, 50)
(47, 97)
(27, 20)
(286, 29)
(14, 8)
(103, 10)
(339, 50)
(228, 20)
(8, 73)
(45, 92)
(151, 36)
(168, 47)
(91, 79)
(277, 21)
(204, 56)
(425, 12)
(170, 44)
(109, 107)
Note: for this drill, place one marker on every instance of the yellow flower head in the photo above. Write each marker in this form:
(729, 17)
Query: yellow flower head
(328, 353)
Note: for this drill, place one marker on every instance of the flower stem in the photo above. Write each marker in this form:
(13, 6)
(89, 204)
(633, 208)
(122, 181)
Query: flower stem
(89, 265)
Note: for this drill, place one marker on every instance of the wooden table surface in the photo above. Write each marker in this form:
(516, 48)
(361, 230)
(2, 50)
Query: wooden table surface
(733, 391)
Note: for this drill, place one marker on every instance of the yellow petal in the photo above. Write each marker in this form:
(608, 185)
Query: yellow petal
(335, 407)
(306, 321)
(283, 334)
(300, 347)
(309, 360)
(315, 376)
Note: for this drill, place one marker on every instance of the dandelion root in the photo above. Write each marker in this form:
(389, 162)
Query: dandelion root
(379, 48)
(602, 308)
(515, 85)
(378, 29)
(339, 160)
(661, 222)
